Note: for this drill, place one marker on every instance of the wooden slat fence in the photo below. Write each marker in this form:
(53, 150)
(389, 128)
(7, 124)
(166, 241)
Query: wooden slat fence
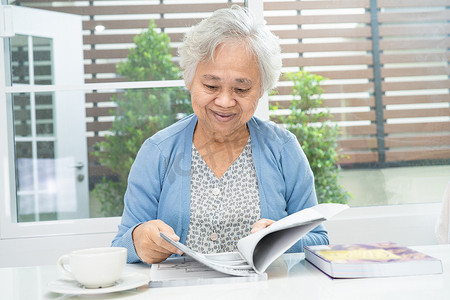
(386, 64)
(415, 89)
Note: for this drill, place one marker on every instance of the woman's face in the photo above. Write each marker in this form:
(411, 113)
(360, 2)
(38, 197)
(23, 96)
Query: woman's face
(225, 92)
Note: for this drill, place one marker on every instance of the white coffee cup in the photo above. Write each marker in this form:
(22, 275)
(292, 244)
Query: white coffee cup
(94, 267)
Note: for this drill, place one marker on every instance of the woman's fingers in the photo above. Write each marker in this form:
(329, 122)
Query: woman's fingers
(168, 231)
(150, 247)
(261, 224)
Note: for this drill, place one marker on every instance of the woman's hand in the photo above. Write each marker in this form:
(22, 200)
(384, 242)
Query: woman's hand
(261, 224)
(150, 247)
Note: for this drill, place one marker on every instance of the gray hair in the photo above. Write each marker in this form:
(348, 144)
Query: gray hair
(234, 24)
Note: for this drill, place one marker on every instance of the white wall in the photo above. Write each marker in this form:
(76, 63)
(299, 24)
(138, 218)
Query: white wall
(24, 252)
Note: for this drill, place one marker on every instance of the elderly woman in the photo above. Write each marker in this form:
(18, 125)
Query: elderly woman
(220, 174)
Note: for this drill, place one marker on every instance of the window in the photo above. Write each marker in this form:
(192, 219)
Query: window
(387, 87)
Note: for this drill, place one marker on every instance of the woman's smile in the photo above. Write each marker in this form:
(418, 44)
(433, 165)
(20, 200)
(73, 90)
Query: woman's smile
(223, 117)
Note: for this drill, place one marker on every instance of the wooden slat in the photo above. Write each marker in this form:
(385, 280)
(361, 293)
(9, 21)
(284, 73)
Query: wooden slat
(335, 88)
(300, 5)
(362, 45)
(354, 116)
(348, 88)
(421, 154)
(98, 126)
(116, 24)
(99, 111)
(321, 19)
(122, 38)
(347, 74)
(327, 61)
(358, 143)
(414, 71)
(99, 97)
(358, 130)
(414, 30)
(354, 102)
(105, 53)
(415, 57)
(417, 127)
(357, 32)
(115, 53)
(416, 113)
(339, 117)
(99, 68)
(344, 74)
(349, 102)
(414, 17)
(108, 39)
(411, 3)
(412, 99)
(123, 9)
(432, 43)
(418, 141)
(358, 157)
(416, 85)
(136, 23)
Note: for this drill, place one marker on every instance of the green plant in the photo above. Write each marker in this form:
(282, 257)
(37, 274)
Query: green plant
(308, 120)
(139, 114)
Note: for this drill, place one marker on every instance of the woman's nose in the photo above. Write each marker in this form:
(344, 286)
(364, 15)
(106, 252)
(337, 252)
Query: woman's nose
(225, 99)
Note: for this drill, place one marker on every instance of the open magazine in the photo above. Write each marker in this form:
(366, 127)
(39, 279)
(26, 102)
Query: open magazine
(258, 250)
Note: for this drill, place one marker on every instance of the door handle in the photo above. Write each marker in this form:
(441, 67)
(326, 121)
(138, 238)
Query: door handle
(78, 165)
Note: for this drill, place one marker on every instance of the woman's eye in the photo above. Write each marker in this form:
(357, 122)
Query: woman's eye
(210, 87)
(242, 91)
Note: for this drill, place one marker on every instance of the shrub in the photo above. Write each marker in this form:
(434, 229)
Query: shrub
(317, 136)
(139, 114)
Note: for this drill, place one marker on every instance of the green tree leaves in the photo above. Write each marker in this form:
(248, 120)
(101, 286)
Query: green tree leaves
(308, 120)
(139, 113)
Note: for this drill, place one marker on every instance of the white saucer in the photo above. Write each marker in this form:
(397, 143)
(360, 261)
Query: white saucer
(126, 282)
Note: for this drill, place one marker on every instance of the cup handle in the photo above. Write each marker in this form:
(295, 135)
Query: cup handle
(62, 261)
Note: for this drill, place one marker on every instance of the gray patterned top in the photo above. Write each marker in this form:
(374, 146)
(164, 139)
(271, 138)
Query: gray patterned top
(222, 210)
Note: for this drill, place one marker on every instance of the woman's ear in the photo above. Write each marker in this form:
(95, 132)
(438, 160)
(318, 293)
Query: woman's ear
(261, 93)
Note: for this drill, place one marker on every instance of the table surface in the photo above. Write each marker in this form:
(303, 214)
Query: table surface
(290, 277)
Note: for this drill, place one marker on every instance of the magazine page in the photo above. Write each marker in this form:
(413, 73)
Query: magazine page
(185, 271)
(263, 247)
(228, 263)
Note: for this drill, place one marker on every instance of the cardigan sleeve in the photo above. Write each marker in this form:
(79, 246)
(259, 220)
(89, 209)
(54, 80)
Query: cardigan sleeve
(300, 190)
(142, 196)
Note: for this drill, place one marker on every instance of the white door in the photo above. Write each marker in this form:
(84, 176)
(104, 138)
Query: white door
(50, 127)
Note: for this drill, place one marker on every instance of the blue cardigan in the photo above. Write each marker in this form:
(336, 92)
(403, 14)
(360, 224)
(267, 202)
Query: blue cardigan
(160, 180)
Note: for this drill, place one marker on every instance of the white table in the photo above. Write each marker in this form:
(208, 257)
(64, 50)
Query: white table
(301, 281)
